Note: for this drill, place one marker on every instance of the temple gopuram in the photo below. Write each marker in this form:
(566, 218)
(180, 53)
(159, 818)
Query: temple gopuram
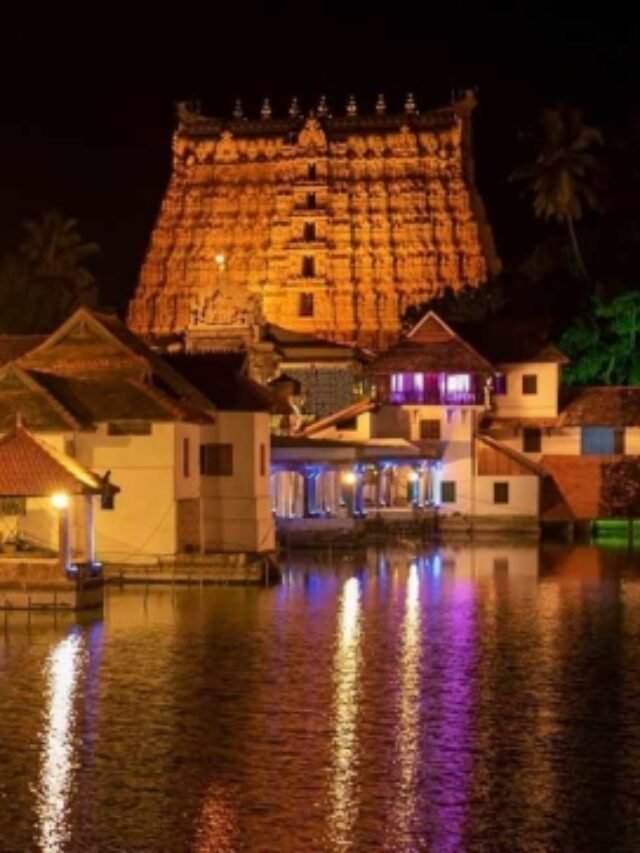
(325, 225)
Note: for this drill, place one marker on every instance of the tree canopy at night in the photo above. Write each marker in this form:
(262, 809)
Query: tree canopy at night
(46, 276)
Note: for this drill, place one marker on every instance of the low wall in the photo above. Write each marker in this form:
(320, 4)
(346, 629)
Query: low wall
(200, 569)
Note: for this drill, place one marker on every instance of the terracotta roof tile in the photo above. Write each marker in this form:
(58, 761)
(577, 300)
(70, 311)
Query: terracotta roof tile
(430, 347)
(29, 467)
(601, 406)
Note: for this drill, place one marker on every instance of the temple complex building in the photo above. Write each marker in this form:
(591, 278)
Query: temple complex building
(323, 225)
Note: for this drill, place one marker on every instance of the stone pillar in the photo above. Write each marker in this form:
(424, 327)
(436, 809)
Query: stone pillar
(64, 539)
(306, 494)
(89, 531)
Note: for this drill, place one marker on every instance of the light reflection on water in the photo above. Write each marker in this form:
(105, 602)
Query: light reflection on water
(466, 699)
(345, 806)
(57, 754)
(405, 807)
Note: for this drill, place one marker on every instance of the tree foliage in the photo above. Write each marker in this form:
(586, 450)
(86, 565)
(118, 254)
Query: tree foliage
(564, 172)
(603, 344)
(46, 276)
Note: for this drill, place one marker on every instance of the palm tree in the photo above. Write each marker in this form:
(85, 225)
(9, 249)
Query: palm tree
(55, 254)
(565, 173)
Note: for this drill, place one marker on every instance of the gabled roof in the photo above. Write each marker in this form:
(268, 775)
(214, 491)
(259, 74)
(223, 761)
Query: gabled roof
(31, 468)
(431, 346)
(21, 392)
(98, 370)
(607, 406)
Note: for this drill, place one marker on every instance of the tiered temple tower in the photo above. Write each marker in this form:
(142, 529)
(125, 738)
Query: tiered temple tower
(325, 225)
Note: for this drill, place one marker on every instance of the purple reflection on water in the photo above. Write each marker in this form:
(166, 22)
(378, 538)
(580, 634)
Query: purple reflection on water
(448, 696)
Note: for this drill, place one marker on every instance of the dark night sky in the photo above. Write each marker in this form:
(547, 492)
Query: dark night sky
(87, 98)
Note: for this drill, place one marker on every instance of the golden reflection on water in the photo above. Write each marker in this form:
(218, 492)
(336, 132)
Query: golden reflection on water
(56, 774)
(217, 830)
(408, 737)
(346, 664)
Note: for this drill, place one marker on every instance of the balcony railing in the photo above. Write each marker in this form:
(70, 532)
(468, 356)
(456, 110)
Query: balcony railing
(430, 398)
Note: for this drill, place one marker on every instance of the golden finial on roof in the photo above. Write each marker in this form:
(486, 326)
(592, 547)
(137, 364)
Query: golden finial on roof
(294, 108)
(352, 107)
(381, 105)
(323, 109)
(410, 103)
(265, 110)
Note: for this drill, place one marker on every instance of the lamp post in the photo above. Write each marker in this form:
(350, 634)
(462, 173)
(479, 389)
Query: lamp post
(60, 502)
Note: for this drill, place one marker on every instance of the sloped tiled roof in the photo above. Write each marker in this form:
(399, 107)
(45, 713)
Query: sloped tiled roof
(22, 393)
(601, 406)
(98, 370)
(100, 397)
(430, 347)
(29, 468)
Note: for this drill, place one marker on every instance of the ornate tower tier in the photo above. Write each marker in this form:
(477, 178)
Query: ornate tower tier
(335, 225)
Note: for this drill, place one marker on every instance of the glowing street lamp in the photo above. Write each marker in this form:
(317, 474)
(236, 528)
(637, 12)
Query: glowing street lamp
(60, 500)
(220, 261)
(349, 478)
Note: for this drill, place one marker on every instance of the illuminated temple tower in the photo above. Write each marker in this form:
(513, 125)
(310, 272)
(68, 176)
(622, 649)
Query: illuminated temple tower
(324, 225)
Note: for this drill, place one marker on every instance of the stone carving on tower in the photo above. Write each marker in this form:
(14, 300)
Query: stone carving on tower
(329, 225)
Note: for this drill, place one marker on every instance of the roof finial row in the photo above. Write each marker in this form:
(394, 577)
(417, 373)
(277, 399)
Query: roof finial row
(322, 110)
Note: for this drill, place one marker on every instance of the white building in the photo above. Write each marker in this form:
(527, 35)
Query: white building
(193, 474)
(431, 392)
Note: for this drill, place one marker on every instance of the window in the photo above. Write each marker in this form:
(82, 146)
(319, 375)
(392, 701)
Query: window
(448, 492)
(186, 449)
(311, 171)
(500, 384)
(216, 460)
(305, 305)
(263, 460)
(530, 383)
(308, 266)
(501, 493)
(601, 441)
(397, 383)
(129, 428)
(309, 231)
(311, 201)
(457, 382)
(430, 429)
(532, 440)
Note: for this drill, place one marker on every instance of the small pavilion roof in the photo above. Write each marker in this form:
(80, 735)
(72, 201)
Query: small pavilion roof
(430, 347)
(30, 467)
